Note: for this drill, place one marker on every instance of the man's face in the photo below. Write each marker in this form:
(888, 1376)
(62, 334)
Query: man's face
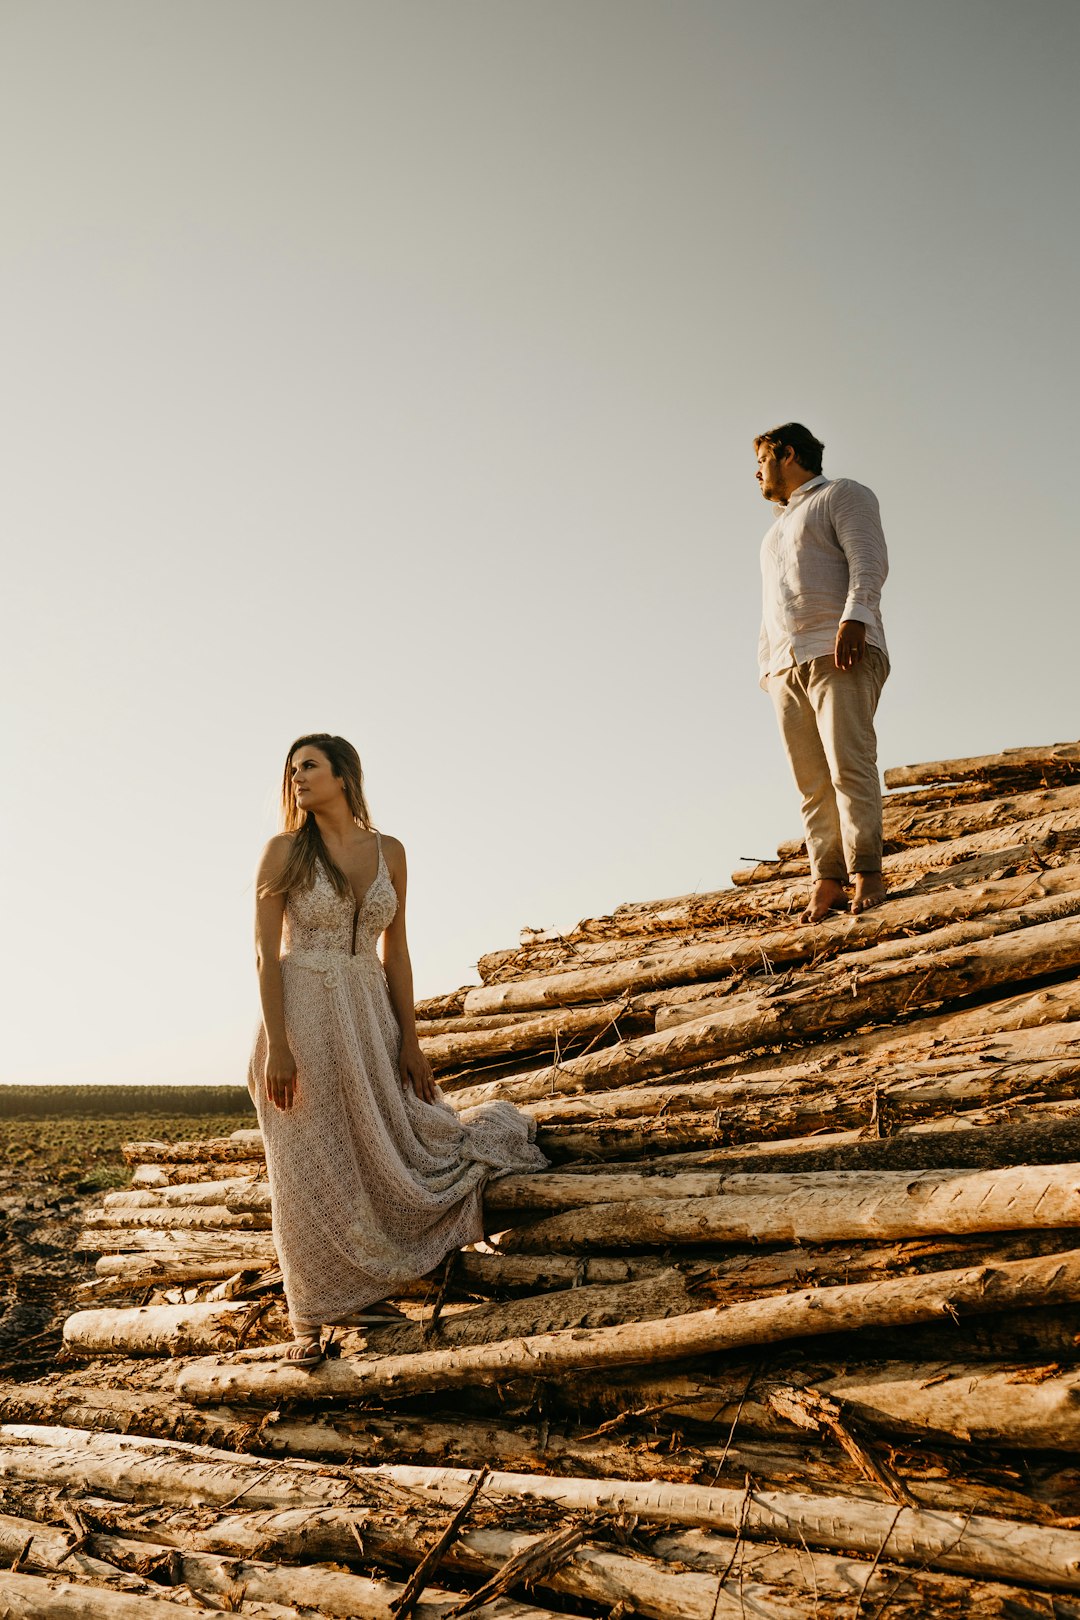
(771, 472)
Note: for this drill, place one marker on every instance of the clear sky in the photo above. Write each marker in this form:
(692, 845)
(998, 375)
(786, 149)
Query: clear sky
(391, 369)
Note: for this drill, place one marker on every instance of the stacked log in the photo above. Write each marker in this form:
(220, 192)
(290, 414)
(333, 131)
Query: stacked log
(799, 1298)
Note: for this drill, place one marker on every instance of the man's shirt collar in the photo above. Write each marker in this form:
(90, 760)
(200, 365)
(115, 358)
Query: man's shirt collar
(795, 498)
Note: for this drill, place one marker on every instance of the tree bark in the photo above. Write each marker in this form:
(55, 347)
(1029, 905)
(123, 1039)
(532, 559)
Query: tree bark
(223, 1150)
(1057, 762)
(172, 1330)
(137, 1470)
(691, 963)
(979, 1546)
(159, 1244)
(744, 1022)
(545, 1029)
(314, 1588)
(48, 1597)
(178, 1218)
(821, 1207)
(894, 1302)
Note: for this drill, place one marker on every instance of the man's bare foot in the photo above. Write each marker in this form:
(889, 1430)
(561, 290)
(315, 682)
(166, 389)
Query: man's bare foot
(827, 896)
(869, 891)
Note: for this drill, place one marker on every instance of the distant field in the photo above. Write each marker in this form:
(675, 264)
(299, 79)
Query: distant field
(82, 1151)
(113, 1102)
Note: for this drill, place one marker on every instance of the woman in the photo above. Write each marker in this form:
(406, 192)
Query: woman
(373, 1177)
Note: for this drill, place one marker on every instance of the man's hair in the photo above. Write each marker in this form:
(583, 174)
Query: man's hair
(808, 450)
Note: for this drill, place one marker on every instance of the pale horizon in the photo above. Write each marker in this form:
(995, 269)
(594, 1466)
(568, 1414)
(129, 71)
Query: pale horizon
(392, 370)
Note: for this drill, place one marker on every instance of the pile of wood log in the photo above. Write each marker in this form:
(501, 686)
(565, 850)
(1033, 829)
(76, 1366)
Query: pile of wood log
(790, 1328)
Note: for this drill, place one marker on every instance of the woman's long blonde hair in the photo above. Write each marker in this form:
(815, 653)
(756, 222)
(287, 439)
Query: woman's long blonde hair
(308, 850)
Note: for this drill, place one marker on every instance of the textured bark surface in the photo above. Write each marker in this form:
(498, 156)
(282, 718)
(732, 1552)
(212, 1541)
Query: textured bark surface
(894, 1302)
(1057, 762)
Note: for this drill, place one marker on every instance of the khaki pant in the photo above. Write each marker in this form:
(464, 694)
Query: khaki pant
(826, 718)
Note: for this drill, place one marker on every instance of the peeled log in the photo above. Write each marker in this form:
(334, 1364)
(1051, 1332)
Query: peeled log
(811, 1584)
(890, 1303)
(225, 1150)
(749, 1021)
(1000, 1406)
(170, 1330)
(48, 1597)
(824, 1207)
(1001, 846)
(245, 1248)
(797, 943)
(1056, 762)
(190, 1218)
(970, 1545)
(546, 1029)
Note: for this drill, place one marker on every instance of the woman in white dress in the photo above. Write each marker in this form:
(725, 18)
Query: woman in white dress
(373, 1176)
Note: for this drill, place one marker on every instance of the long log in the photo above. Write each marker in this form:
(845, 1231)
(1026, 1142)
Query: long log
(311, 1588)
(224, 1150)
(545, 1029)
(822, 1584)
(976, 1545)
(688, 964)
(748, 1021)
(247, 1248)
(894, 1302)
(597, 1574)
(1041, 835)
(192, 1218)
(163, 1472)
(44, 1597)
(1056, 762)
(820, 1207)
(931, 947)
(171, 1330)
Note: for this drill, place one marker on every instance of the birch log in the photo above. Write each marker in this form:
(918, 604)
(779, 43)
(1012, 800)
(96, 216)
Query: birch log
(891, 1303)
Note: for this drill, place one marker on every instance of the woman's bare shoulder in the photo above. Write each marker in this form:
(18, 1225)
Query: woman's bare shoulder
(274, 857)
(394, 855)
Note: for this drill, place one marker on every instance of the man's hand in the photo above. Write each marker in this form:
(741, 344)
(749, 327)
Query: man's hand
(850, 644)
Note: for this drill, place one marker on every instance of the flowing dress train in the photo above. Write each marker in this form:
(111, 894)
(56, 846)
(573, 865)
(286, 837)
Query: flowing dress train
(370, 1187)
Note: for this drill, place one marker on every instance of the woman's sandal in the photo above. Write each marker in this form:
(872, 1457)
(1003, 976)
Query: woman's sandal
(304, 1353)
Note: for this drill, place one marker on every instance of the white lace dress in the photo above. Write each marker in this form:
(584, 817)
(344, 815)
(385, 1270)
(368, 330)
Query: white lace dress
(370, 1187)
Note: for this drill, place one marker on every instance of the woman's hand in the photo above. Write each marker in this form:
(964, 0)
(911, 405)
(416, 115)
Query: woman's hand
(416, 1070)
(281, 1077)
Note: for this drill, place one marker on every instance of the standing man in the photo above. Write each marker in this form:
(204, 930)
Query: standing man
(823, 659)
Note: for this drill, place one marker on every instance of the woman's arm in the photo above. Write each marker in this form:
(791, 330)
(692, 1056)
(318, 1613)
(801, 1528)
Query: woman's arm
(414, 1066)
(280, 1077)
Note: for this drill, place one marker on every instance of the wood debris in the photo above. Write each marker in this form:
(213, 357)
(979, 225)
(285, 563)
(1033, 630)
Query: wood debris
(791, 1328)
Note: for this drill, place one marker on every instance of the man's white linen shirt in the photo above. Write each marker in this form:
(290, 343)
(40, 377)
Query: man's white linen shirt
(823, 561)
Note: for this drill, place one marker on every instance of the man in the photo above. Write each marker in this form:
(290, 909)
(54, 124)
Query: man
(823, 659)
